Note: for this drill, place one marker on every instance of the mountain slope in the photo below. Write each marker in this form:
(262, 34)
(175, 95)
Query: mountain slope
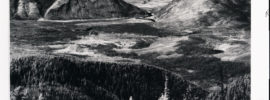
(73, 9)
(206, 12)
(185, 11)
(83, 9)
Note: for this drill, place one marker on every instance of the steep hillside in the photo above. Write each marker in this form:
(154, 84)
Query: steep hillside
(73, 9)
(206, 12)
(185, 11)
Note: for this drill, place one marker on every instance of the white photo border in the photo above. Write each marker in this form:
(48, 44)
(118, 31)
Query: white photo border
(259, 50)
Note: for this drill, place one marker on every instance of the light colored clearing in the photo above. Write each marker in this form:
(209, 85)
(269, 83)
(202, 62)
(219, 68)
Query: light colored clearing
(152, 4)
(214, 88)
(78, 20)
(120, 40)
(57, 46)
(175, 55)
(233, 52)
(190, 71)
(115, 22)
(77, 50)
(91, 54)
(235, 44)
(79, 47)
(162, 46)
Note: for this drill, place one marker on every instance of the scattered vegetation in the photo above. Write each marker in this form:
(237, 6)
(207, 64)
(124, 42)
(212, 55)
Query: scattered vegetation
(188, 47)
(237, 89)
(142, 44)
(205, 67)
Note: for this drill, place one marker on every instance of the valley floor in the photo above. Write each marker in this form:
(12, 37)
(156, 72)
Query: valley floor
(205, 57)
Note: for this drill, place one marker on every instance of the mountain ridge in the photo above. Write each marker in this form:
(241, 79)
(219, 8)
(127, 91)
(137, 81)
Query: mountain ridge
(73, 9)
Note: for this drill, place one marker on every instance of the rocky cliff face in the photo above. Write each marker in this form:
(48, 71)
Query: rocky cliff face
(26, 9)
(73, 9)
(29, 9)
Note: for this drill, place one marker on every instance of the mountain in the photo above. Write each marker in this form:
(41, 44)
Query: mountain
(82, 9)
(73, 9)
(206, 12)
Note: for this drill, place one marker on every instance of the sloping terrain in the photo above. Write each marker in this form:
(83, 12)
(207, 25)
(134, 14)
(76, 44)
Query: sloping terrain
(184, 11)
(73, 9)
(206, 12)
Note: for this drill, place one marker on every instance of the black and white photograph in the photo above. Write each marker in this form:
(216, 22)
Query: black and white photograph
(130, 49)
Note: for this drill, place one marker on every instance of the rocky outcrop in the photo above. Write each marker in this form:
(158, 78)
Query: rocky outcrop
(27, 9)
(73, 9)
